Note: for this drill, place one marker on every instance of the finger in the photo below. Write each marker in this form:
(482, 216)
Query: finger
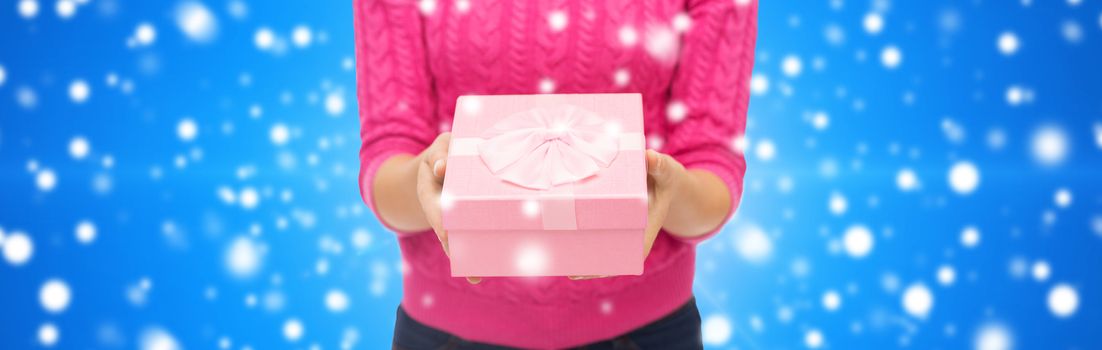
(654, 162)
(444, 243)
(656, 216)
(436, 162)
(474, 280)
(441, 233)
(428, 192)
(439, 167)
(660, 167)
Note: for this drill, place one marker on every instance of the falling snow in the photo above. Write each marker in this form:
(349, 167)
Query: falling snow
(1063, 300)
(48, 335)
(873, 23)
(970, 237)
(18, 248)
(336, 301)
(1008, 43)
(918, 300)
(716, 330)
(244, 257)
(293, 330)
(54, 295)
(753, 244)
(196, 21)
(993, 336)
(156, 338)
(85, 232)
(858, 241)
(891, 57)
(964, 177)
(1050, 146)
(791, 66)
(897, 162)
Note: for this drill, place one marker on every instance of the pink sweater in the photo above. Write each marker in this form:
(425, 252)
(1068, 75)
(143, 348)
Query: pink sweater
(691, 61)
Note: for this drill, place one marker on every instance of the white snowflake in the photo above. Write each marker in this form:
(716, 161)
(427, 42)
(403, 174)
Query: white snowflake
(1008, 43)
(264, 38)
(765, 150)
(837, 204)
(557, 20)
(79, 147)
(66, 9)
(752, 243)
(831, 300)
(85, 232)
(336, 301)
(918, 301)
(891, 57)
(858, 241)
(791, 66)
(531, 260)
(970, 237)
(964, 177)
(907, 180)
(79, 91)
(993, 336)
(45, 180)
(155, 338)
(145, 34)
(1050, 146)
(196, 21)
(759, 84)
(243, 257)
(946, 275)
(1062, 198)
(18, 248)
(302, 36)
(1063, 300)
(873, 23)
(1072, 31)
(28, 8)
(48, 335)
(716, 330)
(279, 134)
(813, 339)
(187, 129)
(628, 36)
(54, 295)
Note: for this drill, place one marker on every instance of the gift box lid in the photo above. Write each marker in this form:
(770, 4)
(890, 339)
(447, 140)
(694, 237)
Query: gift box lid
(513, 159)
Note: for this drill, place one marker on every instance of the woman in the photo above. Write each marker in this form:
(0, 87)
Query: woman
(690, 60)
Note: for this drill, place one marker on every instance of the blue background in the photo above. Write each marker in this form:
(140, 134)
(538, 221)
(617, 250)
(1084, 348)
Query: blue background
(163, 213)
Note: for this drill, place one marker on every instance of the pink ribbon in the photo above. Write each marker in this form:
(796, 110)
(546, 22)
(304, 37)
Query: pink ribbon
(548, 146)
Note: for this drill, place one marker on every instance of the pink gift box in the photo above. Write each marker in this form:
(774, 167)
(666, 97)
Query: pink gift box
(546, 185)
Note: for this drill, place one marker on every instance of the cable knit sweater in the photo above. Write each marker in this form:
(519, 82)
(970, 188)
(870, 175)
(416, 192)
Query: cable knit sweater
(690, 60)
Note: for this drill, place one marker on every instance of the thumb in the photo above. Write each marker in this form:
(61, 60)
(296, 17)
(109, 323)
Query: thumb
(657, 164)
(439, 166)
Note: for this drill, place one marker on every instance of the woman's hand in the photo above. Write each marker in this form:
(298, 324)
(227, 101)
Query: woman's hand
(432, 164)
(665, 177)
(702, 195)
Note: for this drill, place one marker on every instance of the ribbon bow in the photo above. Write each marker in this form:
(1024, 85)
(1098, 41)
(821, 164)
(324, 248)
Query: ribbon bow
(547, 146)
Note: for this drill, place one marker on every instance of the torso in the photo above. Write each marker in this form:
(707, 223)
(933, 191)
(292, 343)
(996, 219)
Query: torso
(526, 47)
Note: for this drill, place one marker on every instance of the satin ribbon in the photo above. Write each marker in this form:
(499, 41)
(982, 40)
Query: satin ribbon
(547, 146)
(548, 149)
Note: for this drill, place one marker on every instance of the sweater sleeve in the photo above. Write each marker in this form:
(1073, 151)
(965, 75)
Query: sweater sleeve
(394, 87)
(712, 83)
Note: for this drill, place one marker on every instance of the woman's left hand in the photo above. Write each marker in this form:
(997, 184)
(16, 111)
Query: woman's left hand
(665, 176)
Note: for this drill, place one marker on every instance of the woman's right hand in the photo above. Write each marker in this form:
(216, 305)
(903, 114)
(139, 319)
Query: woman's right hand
(433, 162)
